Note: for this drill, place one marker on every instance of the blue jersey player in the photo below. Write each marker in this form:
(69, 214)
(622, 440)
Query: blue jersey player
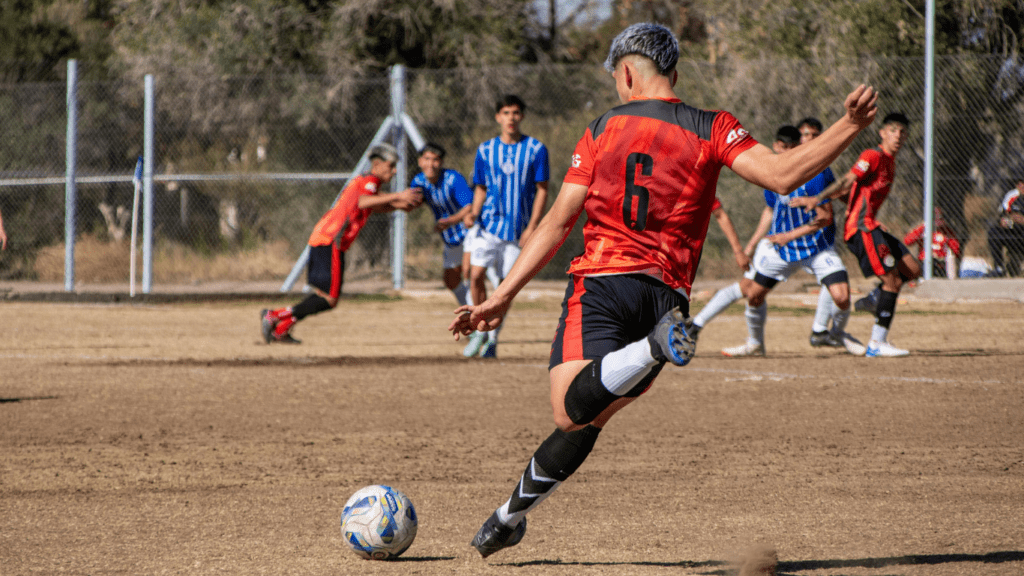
(796, 239)
(510, 180)
(449, 197)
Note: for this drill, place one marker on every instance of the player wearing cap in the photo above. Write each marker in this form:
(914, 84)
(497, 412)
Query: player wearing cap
(645, 173)
(866, 186)
(333, 235)
(510, 179)
(795, 240)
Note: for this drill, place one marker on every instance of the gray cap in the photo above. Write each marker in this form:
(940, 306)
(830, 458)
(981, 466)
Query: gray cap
(385, 152)
(652, 41)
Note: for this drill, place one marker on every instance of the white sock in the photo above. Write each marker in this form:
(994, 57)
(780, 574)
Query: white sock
(462, 295)
(622, 369)
(755, 323)
(720, 301)
(879, 334)
(839, 319)
(824, 310)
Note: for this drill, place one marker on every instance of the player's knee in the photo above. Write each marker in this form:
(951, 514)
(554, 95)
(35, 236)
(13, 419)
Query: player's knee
(755, 299)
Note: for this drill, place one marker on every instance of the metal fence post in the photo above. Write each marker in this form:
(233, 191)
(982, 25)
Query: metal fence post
(70, 185)
(147, 190)
(398, 219)
(929, 121)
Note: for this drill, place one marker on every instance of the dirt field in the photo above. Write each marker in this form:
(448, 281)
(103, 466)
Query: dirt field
(169, 440)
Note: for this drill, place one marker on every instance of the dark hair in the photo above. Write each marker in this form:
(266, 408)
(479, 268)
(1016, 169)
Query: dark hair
(510, 100)
(434, 148)
(787, 135)
(812, 122)
(895, 118)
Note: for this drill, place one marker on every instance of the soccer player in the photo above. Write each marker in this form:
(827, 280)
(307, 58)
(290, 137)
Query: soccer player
(881, 254)
(333, 235)
(3, 234)
(796, 240)
(449, 197)
(645, 173)
(510, 179)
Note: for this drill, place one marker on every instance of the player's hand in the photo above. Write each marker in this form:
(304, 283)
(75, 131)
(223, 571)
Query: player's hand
(483, 317)
(468, 220)
(776, 239)
(808, 203)
(861, 106)
(742, 260)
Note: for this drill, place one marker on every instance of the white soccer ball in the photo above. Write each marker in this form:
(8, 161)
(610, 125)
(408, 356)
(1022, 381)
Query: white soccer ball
(378, 522)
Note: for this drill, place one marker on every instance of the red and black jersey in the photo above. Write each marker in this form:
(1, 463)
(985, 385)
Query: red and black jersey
(651, 169)
(875, 171)
(342, 223)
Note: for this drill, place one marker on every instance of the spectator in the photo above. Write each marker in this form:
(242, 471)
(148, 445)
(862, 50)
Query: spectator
(1008, 233)
(945, 246)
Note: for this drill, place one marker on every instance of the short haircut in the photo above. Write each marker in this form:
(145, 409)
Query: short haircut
(895, 118)
(787, 135)
(509, 100)
(812, 122)
(385, 152)
(434, 148)
(652, 41)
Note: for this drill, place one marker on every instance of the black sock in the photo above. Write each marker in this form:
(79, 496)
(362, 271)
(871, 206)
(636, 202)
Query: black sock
(313, 304)
(885, 308)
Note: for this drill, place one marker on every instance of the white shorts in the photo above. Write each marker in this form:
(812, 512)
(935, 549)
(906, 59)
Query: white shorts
(767, 262)
(488, 251)
(453, 256)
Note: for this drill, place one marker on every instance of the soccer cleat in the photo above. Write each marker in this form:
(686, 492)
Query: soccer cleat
(852, 345)
(747, 349)
(267, 325)
(866, 304)
(671, 341)
(494, 536)
(286, 338)
(490, 350)
(878, 349)
(476, 341)
(825, 338)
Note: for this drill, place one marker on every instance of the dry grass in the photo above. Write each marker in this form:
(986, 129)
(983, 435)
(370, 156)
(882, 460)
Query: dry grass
(97, 261)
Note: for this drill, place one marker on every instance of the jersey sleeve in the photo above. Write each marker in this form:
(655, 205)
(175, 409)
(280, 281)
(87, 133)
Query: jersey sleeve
(770, 198)
(866, 164)
(417, 181)
(463, 194)
(581, 166)
(729, 139)
(717, 205)
(542, 168)
(480, 169)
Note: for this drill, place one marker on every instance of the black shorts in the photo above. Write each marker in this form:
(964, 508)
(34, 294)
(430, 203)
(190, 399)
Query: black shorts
(601, 314)
(876, 251)
(326, 269)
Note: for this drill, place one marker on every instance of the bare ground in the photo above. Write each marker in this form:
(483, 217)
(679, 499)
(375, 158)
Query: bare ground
(169, 440)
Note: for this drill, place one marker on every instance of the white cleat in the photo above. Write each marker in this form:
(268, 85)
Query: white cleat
(878, 349)
(852, 345)
(747, 349)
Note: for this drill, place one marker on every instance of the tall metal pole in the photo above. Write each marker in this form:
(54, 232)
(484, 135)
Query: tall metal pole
(70, 186)
(147, 190)
(401, 177)
(929, 135)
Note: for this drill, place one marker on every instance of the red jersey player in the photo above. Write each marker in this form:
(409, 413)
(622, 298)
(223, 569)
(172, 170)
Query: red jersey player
(333, 235)
(645, 172)
(866, 186)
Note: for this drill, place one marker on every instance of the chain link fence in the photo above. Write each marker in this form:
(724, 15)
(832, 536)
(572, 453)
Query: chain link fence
(232, 214)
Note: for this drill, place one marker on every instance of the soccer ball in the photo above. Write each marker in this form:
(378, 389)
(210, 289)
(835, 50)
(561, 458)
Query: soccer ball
(378, 522)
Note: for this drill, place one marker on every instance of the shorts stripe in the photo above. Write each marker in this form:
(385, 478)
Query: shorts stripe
(337, 271)
(572, 339)
(872, 252)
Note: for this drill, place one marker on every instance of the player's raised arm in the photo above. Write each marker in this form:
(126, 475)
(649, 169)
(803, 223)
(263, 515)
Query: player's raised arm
(785, 172)
(543, 244)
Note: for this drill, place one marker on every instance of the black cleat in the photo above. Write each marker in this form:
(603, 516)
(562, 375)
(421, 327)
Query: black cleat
(494, 536)
(267, 325)
(825, 338)
(671, 339)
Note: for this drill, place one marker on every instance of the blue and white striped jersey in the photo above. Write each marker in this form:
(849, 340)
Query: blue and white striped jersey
(785, 219)
(445, 198)
(510, 172)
